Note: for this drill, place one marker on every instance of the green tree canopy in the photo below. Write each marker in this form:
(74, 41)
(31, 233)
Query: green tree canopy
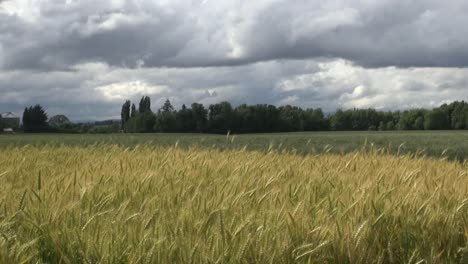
(166, 119)
(167, 107)
(35, 119)
(125, 114)
(145, 105)
(133, 113)
(221, 117)
(200, 117)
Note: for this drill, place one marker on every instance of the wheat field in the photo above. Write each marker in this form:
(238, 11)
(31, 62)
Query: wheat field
(147, 204)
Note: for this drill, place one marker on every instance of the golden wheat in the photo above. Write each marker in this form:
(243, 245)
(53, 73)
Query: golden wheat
(108, 204)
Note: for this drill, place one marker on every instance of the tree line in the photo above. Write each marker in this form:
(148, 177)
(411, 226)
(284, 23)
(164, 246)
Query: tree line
(35, 120)
(262, 118)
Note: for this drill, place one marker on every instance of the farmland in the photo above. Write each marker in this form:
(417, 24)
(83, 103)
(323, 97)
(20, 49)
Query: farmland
(452, 144)
(151, 204)
(168, 198)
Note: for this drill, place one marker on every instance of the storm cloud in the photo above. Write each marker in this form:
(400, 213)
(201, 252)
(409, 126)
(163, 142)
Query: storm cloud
(83, 58)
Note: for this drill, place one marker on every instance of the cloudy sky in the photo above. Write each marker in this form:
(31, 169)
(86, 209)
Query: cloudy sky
(83, 58)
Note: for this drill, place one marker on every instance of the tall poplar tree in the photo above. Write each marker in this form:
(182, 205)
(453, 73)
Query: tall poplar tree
(134, 111)
(125, 114)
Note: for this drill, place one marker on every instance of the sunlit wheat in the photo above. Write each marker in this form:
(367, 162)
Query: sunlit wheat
(110, 204)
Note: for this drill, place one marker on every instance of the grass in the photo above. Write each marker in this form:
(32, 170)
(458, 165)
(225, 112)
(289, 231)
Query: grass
(453, 144)
(106, 203)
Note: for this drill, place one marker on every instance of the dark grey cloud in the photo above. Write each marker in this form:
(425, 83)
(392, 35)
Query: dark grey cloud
(370, 33)
(53, 34)
(66, 34)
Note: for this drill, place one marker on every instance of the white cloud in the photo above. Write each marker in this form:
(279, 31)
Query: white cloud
(27, 10)
(118, 92)
(348, 86)
(96, 90)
